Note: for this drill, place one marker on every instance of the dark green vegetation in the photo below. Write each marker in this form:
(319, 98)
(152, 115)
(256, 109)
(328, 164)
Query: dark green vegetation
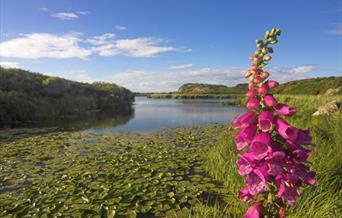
(26, 96)
(304, 87)
(186, 172)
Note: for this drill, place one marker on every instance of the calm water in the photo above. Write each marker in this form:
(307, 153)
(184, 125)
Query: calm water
(151, 114)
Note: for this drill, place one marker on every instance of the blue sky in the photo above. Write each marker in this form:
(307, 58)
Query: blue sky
(157, 45)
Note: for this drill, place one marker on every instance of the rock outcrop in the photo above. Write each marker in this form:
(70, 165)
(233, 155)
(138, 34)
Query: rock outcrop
(328, 109)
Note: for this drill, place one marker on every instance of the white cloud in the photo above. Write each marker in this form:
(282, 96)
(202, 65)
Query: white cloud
(138, 47)
(142, 47)
(337, 30)
(83, 12)
(182, 66)
(285, 74)
(6, 64)
(102, 39)
(43, 45)
(156, 81)
(119, 27)
(65, 15)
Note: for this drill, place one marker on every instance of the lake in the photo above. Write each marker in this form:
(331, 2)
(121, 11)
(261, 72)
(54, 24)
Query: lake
(151, 114)
(148, 115)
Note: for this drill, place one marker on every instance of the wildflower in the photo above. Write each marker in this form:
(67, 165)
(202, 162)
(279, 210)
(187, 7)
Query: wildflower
(245, 136)
(254, 211)
(244, 120)
(273, 151)
(284, 109)
(265, 121)
(253, 103)
(272, 84)
(270, 101)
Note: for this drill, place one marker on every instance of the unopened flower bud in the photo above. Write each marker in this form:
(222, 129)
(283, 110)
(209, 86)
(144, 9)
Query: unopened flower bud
(250, 85)
(253, 72)
(256, 59)
(264, 74)
(263, 90)
(257, 79)
(252, 93)
(272, 83)
(264, 50)
(270, 101)
(247, 74)
(267, 58)
(253, 103)
(274, 41)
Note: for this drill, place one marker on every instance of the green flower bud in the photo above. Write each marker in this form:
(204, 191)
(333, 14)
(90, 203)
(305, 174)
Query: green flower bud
(259, 41)
(265, 50)
(257, 52)
(274, 41)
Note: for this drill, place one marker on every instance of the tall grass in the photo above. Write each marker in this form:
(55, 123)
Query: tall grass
(323, 200)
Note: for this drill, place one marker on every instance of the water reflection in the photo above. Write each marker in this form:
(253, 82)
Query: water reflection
(151, 114)
(98, 120)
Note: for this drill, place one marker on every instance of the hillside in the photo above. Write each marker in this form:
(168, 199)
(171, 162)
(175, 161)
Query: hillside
(312, 86)
(198, 88)
(27, 96)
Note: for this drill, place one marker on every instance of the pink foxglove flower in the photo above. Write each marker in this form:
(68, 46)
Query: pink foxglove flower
(260, 146)
(252, 93)
(272, 84)
(255, 211)
(284, 109)
(253, 103)
(244, 195)
(265, 121)
(270, 101)
(263, 90)
(244, 120)
(273, 152)
(245, 137)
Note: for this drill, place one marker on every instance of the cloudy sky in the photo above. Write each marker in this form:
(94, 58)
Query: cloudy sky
(153, 45)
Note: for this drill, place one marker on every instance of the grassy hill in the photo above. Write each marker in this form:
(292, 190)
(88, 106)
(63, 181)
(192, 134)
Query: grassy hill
(312, 86)
(27, 96)
(198, 88)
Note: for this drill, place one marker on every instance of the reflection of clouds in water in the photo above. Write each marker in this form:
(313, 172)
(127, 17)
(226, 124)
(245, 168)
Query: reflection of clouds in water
(153, 114)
